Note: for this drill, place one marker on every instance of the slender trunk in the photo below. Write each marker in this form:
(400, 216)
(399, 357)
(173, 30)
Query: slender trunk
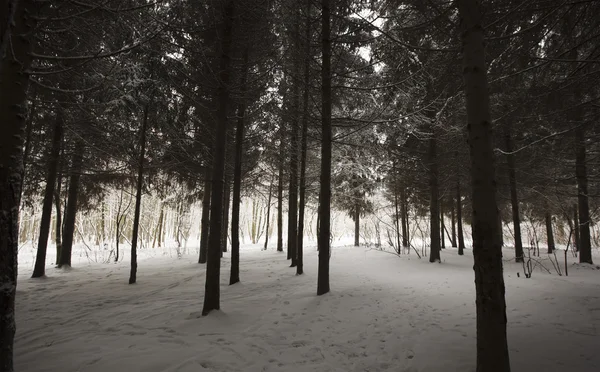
(212, 292)
(585, 247)
(205, 224)
(326, 143)
(512, 179)
(269, 212)
(404, 213)
(280, 196)
(453, 219)
(442, 226)
(434, 212)
(71, 210)
(549, 232)
(17, 26)
(157, 235)
(492, 346)
(58, 220)
(304, 143)
(138, 198)
(237, 179)
(577, 231)
(40, 260)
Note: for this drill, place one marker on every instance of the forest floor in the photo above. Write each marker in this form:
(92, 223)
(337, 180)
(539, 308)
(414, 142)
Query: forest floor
(384, 313)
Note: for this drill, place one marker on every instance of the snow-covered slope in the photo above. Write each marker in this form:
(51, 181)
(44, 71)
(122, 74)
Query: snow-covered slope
(385, 313)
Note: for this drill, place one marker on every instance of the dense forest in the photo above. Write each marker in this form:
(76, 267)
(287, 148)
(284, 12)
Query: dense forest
(131, 124)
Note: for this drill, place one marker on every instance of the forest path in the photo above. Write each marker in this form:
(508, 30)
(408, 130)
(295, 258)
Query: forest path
(384, 313)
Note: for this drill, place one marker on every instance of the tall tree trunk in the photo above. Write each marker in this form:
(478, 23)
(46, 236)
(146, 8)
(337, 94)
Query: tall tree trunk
(492, 347)
(59, 224)
(205, 222)
(585, 247)
(16, 27)
(434, 212)
(158, 231)
(138, 198)
(514, 200)
(326, 143)
(549, 232)
(237, 179)
(304, 142)
(269, 212)
(40, 260)
(71, 210)
(212, 293)
(577, 231)
(293, 193)
(280, 195)
(453, 218)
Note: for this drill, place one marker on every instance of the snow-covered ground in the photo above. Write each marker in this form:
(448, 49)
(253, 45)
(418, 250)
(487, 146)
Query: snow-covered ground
(384, 313)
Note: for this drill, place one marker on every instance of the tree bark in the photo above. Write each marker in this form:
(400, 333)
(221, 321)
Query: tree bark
(304, 142)
(549, 232)
(404, 212)
(492, 347)
(585, 247)
(212, 292)
(453, 218)
(234, 276)
(397, 214)
(17, 26)
(59, 224)
(280, 195)
(442, 226)
(434, 212)
(514, 200)
(205, 221)
(226, 206)
(269, 212)
(39, 269)
(71, 210)
(138, 198)
(326, 143)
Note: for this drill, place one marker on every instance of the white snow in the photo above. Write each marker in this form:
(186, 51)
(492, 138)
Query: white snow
(384, 313)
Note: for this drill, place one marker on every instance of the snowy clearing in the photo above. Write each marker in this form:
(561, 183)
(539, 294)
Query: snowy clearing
(385, 313)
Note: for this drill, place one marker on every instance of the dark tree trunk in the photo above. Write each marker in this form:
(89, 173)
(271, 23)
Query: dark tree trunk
(357, 226)
(212, 293)
(577, 231)
(58, 220)
(453, 217)
(158, 232)
(205, 222)
(442, 226)
(71, 210)
(226, 205)
(269, 213)
(237, 179)
(514, 200)
(16, 34)
(280, 195)
(434, 252)
(404, 212)
(326, 143)
(138, 198)
(304, 143)
(549, 232)
(40, 260)
(492, 347)
(585, 247)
